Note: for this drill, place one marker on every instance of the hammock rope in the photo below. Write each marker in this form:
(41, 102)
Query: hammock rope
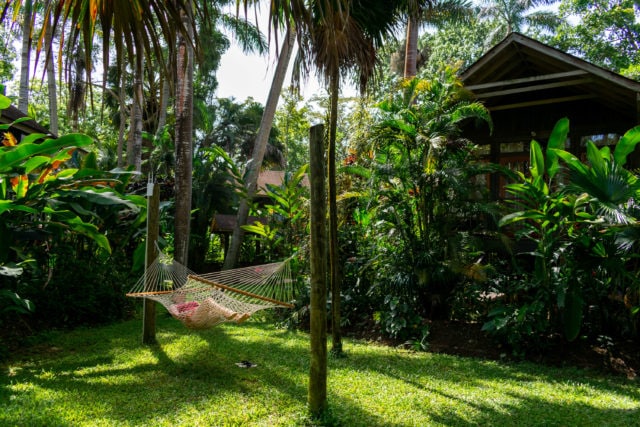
(201, 301)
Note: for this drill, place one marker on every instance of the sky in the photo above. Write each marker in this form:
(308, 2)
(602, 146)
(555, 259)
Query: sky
(247, 75)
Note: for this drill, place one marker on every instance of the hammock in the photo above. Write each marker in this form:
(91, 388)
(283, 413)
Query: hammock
(205, 300)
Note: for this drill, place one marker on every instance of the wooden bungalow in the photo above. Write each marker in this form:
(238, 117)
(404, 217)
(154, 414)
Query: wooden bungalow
(528, 86)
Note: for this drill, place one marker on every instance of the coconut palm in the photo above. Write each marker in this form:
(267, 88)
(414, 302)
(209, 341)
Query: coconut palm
(25, 56)
(518, 15)
(429, 12)
(259, 148)
(343, 38)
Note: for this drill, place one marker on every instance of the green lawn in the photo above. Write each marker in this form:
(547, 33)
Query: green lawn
(105, 377)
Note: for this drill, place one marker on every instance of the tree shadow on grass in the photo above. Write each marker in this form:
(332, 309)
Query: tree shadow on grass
(183, 371)
(194, 373)
(452, 391)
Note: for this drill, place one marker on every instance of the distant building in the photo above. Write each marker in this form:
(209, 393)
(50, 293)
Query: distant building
(21, 129)
(528, 86)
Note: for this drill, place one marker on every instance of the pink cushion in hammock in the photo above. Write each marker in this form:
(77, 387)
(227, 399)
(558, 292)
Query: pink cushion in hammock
(186, 306)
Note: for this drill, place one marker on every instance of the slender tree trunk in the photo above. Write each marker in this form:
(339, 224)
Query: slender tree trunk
(25, 58)
(51, 81)
(334, 256)
(123, 115)
(411, 52)
(318, 307)
(134, 157)
(184, 138)
(164, 104)
(260, 145)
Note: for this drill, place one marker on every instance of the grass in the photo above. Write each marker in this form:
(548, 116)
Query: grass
(105, 377)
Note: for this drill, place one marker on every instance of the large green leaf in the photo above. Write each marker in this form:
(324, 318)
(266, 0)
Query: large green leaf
(13, 156)
(105, 198)
(572, 161)
(35, 162)
(90, 231)
(594, 156)
(4, 102)
(537, 160)
(626, 145)
(10, 205)
(556, 141)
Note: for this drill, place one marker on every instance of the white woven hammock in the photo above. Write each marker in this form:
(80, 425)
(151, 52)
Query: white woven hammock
(201, 301)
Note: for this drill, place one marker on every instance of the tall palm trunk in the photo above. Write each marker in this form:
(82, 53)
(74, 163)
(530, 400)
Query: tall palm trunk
(51, 81)
(123, 115)
(259, 148)
(334, 258)
(165, 93)
(411, 49)
(134, 156)
(25, 57)
(184, 137)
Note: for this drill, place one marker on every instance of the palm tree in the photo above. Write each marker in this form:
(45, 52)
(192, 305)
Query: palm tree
(431, 12)
(51, 81)
(259, 148)
(343, 38)
(516, 15)
(184, 137)
(25, 56)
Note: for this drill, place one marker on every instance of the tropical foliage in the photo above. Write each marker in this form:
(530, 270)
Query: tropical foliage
(583, 239)
(58, 214)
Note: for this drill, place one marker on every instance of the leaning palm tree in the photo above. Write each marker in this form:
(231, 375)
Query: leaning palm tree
(259, 148)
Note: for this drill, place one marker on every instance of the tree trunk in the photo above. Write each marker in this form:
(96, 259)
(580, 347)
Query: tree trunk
(184, 137)
(25, 58)
(165, 90)
(51, 81)
(411, 52)
(134, 157)
(259, 148)
(318, 307)
(334, 256)
(123, 115)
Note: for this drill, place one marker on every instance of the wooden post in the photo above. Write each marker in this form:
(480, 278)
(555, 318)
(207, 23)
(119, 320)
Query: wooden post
(151, 253)
(318, 310)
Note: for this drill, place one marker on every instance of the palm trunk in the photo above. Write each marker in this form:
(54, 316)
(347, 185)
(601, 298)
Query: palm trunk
(134, 157)
(411, 52)
(334, 256)
(259, 148)
(51, 82)
(123, 115)
(164, 103)
(25, 58)
(184, 138)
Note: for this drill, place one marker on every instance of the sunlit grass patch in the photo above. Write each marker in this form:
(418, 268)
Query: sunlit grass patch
(106, 377)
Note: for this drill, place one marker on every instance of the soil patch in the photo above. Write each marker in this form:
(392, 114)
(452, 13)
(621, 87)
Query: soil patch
(467, 339)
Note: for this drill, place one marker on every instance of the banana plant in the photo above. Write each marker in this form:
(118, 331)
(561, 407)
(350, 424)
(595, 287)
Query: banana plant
(544, 216)
(573, 225)
(39, 196)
